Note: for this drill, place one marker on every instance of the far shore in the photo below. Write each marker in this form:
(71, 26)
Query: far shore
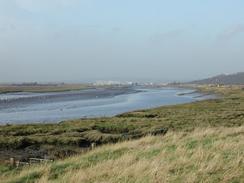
(41, 88)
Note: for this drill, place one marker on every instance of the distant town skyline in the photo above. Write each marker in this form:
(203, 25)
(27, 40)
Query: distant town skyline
(91, 40)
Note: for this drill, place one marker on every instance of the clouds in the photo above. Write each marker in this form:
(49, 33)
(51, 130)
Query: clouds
(37, 6)
(164, 37)
(45, 5)
(105, 38)
(232, 32)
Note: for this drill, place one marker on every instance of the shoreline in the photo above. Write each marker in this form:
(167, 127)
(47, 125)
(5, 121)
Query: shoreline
(106, 93)
(71, 137)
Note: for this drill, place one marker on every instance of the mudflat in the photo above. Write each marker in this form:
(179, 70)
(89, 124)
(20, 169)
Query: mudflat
(51, 107)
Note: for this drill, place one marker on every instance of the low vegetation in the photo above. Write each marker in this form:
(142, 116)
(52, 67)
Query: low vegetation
(71, 137)
(224, 79)
(67, 138)
(204, 155)
(197, 142)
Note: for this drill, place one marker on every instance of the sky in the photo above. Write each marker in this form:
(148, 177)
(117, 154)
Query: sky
(127, 40)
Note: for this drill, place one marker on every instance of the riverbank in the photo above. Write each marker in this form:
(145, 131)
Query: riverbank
(71, 137)
(22, 99)
(19, 108)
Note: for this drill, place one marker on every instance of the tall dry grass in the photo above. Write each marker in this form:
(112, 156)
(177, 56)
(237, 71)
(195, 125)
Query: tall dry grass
(204, 155)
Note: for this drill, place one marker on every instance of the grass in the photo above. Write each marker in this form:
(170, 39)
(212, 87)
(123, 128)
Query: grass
(204, 155)
(70, 137)
(197, 142)
(57, 140)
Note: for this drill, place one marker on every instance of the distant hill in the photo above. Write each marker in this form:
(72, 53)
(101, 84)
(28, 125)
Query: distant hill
(230, 79)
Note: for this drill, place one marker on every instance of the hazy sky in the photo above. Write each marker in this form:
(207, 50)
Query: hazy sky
(86, 40)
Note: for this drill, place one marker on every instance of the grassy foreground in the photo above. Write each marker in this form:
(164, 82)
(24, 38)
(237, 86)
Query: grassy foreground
(204, 155)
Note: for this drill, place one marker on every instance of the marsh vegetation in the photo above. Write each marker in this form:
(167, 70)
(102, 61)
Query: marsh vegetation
(197, 142)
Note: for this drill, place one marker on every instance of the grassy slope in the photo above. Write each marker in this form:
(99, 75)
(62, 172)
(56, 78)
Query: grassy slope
(205, 155)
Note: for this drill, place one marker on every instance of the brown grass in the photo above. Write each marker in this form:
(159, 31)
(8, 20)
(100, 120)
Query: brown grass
(204, 155)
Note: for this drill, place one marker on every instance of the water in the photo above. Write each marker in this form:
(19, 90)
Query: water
(23, 107)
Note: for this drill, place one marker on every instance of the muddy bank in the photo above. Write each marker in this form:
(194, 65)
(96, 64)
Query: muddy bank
(24, 98)
(21, 108)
